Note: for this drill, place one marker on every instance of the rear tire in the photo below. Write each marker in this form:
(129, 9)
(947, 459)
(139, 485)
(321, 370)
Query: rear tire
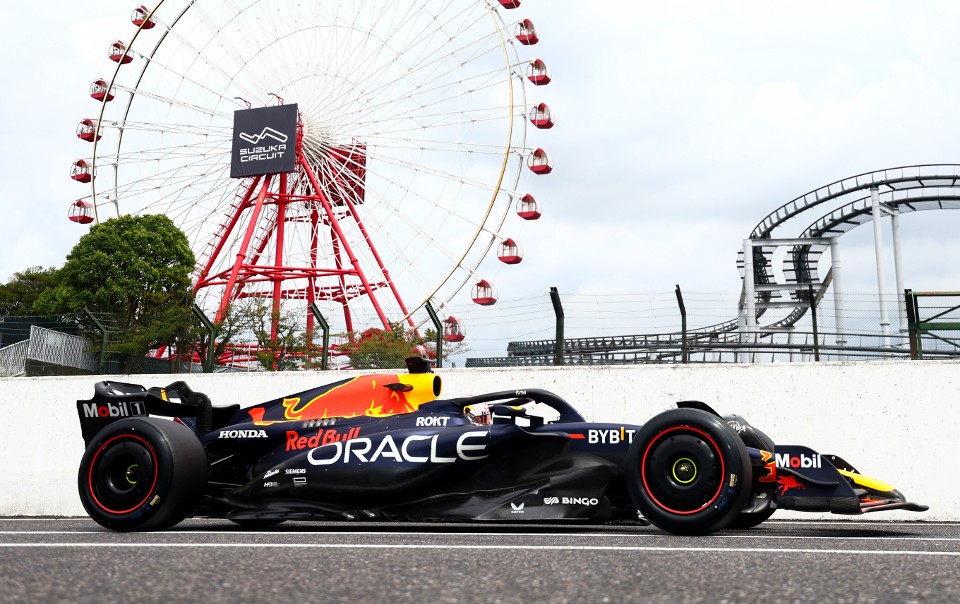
(688, 472)
(141, 474)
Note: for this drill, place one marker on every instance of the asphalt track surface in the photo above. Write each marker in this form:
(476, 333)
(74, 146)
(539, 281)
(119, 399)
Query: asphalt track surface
(74, 560)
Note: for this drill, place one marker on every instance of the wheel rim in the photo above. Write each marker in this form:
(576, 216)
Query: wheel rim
(682, 470)
(122, 474)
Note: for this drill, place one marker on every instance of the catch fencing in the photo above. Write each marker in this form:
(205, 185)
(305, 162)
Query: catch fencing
(50, 347)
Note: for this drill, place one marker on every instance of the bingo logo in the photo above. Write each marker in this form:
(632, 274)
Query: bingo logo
(571, 501)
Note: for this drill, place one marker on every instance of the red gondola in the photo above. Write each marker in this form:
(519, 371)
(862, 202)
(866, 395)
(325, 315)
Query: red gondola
(100, 92)
(540, 117)
(509, 3)
(140, 18)
(538, 73)
(81, 212)
(484, 293)
(509, 252)
(453, 330)
(80, 171)
(528, 208)
(539, 162)
(119, 54)
(87, 131)
(526, 33)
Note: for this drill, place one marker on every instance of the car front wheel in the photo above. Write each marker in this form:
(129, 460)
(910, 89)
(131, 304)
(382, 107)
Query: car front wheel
(688, 472)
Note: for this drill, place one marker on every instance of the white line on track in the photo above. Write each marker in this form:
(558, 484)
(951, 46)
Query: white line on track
(758, 537)
(388, 546)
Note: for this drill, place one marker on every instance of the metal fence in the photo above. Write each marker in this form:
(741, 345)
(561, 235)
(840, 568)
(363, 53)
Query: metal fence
(57, 348)
(13, 359)
(703, 327)
(48, 347)
(599, 329)
(51, 352)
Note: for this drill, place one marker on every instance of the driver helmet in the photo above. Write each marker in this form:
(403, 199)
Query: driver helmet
(479, 413)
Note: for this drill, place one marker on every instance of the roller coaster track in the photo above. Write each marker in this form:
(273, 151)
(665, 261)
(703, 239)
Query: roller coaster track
(901, 190)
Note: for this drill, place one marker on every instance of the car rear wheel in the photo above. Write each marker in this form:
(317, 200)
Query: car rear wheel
(142, 474)
(688, 472)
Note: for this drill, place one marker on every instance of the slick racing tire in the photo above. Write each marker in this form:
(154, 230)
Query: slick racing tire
(748, 520)
(688, 472)
(141, 474)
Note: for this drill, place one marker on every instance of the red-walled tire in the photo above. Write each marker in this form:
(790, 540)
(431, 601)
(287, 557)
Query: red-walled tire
(688, 472)
(141, 474)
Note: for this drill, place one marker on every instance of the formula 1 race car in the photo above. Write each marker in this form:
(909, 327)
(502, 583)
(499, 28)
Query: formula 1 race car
(386, 447)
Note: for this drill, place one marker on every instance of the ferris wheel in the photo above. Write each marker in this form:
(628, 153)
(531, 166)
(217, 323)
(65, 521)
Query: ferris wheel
(411, 144)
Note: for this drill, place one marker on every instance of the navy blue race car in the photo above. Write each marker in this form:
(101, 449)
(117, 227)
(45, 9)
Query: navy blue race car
(386, 447)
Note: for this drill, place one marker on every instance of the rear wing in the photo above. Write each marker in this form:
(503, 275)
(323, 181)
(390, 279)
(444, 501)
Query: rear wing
(113, 401)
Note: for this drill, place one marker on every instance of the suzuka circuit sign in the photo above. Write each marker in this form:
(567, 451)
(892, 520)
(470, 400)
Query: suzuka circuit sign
(264, 141)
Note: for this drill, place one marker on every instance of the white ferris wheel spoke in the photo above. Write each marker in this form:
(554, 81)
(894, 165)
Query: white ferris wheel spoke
(414, 112)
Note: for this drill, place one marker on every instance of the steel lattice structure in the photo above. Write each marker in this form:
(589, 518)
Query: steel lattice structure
(414, 122)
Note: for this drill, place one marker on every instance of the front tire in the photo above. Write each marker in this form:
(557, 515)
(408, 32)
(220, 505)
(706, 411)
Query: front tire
(688, 473)
(142, 474)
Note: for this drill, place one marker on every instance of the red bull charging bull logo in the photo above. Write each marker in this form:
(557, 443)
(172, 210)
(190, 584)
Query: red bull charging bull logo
(369, 395)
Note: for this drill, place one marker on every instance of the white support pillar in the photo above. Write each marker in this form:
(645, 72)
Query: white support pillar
(898, 267)
(839, 303)
(878, 249)
(749, 299)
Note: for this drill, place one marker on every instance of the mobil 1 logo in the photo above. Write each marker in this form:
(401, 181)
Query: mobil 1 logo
(264, 141)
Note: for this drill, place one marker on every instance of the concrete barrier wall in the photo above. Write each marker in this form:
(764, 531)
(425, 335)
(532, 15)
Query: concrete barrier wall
(896, 421)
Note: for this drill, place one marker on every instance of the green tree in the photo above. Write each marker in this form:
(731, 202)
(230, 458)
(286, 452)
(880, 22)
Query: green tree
(135, 269)
(281, 350)
(197, 340)
(20, 294)
(382, 349)
(246, 332)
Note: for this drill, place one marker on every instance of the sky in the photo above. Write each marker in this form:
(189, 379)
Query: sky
(680, 125)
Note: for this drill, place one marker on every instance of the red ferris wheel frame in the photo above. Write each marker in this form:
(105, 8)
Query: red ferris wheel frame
(317, 198)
